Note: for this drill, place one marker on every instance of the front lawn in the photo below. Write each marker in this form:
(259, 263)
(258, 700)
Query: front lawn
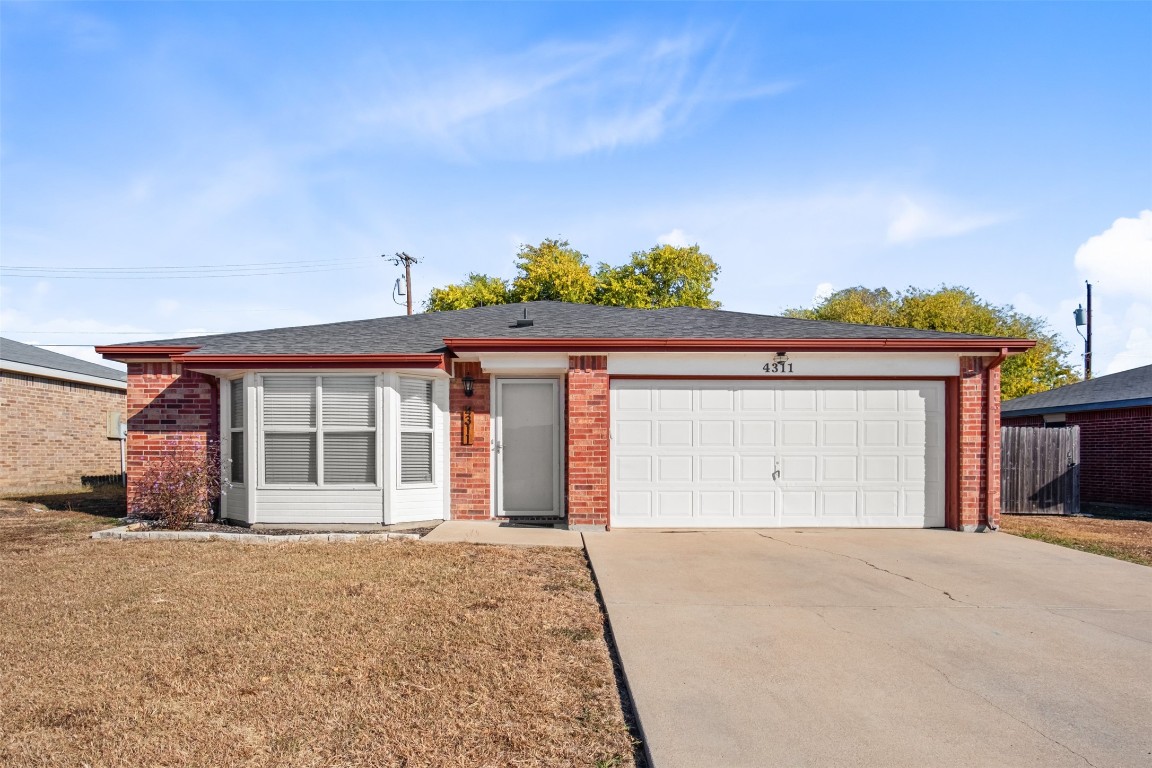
(382, 654)
(1125, 539)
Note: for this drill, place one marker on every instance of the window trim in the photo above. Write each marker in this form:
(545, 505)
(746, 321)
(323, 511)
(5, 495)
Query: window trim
(318, 430)
(431, 430)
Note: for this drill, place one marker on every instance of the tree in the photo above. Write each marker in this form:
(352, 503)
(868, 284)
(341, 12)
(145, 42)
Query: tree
(663, 276)
(476, 291)
(553, 271)
(957, 310)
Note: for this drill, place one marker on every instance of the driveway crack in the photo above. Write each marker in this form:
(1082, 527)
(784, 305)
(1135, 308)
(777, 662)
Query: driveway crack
(944, 592)
(948, 679)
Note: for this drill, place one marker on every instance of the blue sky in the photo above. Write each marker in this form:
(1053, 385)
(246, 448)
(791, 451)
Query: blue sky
(807, 147)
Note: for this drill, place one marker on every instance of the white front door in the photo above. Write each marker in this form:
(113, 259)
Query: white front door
(712, 454)
(527, 446)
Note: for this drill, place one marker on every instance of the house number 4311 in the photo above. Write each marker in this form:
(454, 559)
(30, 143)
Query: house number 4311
(777, 367)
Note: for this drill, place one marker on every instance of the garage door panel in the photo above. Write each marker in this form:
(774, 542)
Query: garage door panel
(840, 434)
(717, 469)
(839, 503)
(806, 453)
(633, 433)
(717, 503)
(673, 434)
(798, 433)
(839, 469)
(757, 469)
(757, 433)
(718, 433)
(758, 505)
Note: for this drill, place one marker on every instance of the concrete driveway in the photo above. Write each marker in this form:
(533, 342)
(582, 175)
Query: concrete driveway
(879, 648)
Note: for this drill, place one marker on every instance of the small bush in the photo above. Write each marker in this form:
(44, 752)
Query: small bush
(180, 487)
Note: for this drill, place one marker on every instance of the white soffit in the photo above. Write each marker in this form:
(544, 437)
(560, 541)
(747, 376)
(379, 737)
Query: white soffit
(799, 364)
(524, 362)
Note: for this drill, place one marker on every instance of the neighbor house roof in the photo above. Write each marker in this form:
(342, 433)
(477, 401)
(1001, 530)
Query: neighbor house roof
(25, 358)
(1127, 389)
(557, 325)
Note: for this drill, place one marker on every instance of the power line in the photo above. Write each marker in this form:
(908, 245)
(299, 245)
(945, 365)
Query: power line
(171, 276)
(253, 264)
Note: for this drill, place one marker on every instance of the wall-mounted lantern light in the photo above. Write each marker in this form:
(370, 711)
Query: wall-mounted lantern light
(469, 386)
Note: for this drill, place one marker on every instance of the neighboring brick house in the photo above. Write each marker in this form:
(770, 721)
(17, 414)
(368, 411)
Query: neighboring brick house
(54, 420)
(1114, 414)
(582, 415)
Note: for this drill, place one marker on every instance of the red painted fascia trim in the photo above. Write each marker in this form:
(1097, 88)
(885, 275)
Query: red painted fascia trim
(311, 361)
(1013, 346)
(128, 354)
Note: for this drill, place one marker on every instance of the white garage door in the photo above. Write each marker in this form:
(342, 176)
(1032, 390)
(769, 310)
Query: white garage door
(713, 454)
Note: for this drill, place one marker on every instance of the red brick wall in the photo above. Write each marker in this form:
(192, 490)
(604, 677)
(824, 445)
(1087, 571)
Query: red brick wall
(1115, 454)
(169, 409)
(974, 445)
(54, 433)
(588, 443)
(470, 465)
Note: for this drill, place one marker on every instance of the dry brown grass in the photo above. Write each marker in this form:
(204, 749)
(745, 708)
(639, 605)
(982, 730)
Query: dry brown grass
(217, 654)
(1125, 539)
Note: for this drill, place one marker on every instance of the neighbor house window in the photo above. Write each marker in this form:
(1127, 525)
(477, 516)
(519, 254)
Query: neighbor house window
(236, 431)
(416, 422)
(320, 430)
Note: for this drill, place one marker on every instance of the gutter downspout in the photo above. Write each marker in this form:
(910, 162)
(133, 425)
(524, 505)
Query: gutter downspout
(993, 406)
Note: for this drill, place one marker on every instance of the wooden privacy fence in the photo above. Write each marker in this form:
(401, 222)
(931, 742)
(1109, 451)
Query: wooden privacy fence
(1040, 470)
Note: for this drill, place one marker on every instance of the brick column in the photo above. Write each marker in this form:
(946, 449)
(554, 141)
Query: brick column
(588, 441)
(169, 410)
(979, 445)
(470, 465)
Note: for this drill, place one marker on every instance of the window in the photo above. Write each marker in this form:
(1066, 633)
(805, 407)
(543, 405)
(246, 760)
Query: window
(416, 422)
(319, 430)
(236, 431)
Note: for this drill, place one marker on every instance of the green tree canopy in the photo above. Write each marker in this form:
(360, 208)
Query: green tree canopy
(663, 276)
(958, 310)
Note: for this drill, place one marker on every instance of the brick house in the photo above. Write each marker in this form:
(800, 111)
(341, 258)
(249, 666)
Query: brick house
(1114, 414)
(583, 415)
(54, 419)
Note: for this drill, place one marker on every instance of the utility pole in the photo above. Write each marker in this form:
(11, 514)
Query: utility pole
(407, 261)
(1079, 315)
(1087, 340)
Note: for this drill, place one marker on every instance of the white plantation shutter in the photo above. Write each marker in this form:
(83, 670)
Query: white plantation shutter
(415, 403)
(349, 403)
(236, 431)
(416, 420)
(289, 458)
(349, 457)
(289, 402)
(416, 457)
(341, 427)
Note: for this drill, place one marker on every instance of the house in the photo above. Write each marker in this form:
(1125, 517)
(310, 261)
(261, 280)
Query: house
(1114, 414)
(594, 416)
(59, 420)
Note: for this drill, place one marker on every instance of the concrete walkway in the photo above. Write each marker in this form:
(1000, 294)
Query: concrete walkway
(879, 648)
(497, 532)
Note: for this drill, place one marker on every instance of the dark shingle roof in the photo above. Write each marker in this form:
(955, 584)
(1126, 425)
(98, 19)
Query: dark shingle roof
(15, 352)
(1126, 389)
(425, 333)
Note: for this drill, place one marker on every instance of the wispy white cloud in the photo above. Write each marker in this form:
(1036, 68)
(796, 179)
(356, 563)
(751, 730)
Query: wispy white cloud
(559, 98)
(915, 220)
